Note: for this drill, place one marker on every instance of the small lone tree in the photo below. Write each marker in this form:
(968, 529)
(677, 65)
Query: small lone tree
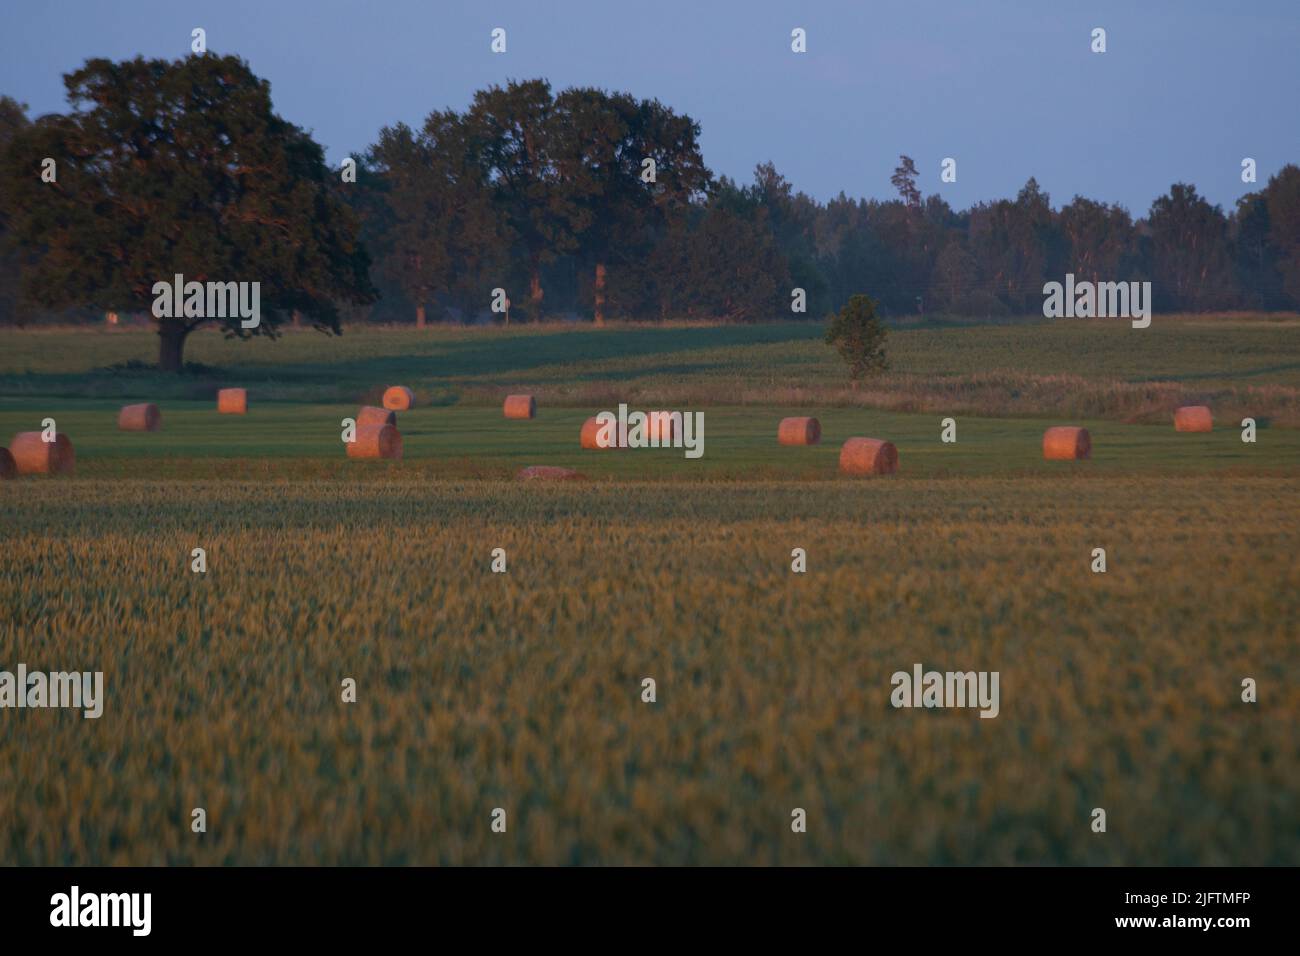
(859, 336)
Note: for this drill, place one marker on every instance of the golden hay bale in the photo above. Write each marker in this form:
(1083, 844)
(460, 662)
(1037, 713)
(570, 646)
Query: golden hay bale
(547, 473)
(520, 406)
(590, 429)
(232, 401)
(1066, 443)
(35, 456)
(868, 456)
(661, 427)
(370, 415)
(398, 398)
(144, 417)
(376, 441)
(7, 467)
(799, 431)
(1193, 418)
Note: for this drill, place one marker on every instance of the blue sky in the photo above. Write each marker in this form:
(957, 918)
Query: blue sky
(1009, 88)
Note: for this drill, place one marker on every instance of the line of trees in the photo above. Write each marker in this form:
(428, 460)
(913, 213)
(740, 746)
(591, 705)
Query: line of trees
(547, 193)
(583, 202)
(521, 185)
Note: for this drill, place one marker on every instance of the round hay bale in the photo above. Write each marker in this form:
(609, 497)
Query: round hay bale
(660, 427)
(1066, 443)
(7, 467)
(398, 398)
(590, 431)
(588, 436)
(34, 456)
(520, 406)
(799, 431)
(144, 417)
(232, 401)
(376, 441)
(370, 415)
(1193, 418)
(868, 456)
(547, 473)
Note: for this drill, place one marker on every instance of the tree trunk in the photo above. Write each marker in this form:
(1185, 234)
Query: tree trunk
(600, 293)
(535, 290)
(171, 344)
(419, 316)
(297, 319)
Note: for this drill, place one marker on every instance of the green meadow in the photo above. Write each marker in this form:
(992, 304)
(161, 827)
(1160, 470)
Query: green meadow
(524, 690)
(293, 439)
(1084, 369)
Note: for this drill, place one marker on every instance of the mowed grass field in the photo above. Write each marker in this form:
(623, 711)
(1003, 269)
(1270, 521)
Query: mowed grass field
(296, 441)
(1099, 369)
(523, 690)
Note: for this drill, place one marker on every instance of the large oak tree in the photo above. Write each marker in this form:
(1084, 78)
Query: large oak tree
(511, 137)
(13, 121)
(439, 230)
(167, 168)
(628, 168)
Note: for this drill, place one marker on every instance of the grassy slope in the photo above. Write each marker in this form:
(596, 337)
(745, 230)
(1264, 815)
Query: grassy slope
(1101, 369)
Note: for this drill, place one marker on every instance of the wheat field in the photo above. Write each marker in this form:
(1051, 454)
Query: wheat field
(523, 690)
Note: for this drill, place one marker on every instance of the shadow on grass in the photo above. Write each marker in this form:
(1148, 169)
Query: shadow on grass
(507, 355)
(537, 347)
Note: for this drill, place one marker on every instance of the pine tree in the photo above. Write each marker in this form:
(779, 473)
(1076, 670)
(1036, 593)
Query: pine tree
(859, 336)
(904, 180)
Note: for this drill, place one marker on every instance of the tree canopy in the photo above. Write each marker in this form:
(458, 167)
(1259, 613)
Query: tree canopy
(583, 201)
(167, 168)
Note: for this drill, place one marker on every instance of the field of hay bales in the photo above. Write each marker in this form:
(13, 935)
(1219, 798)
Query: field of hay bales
(523, 690)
